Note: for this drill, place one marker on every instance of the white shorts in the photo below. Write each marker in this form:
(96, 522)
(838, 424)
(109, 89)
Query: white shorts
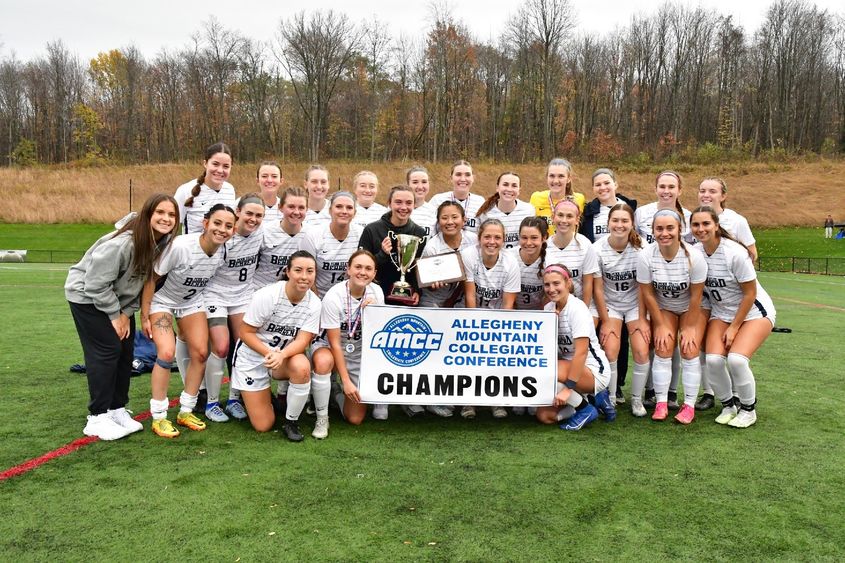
(224, 311)
(177, 312)
(601, 380)
(632, 314)
(255, 379)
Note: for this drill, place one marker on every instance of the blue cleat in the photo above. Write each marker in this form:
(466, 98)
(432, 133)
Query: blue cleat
(581, 418)
(605, 406)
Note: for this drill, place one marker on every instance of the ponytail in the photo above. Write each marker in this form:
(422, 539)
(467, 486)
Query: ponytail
(488, 204)
(196, 190)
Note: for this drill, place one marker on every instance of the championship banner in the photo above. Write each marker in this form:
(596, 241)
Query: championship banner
(428, 356)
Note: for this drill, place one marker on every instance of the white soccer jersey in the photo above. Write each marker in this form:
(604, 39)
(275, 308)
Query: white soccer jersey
(644, 220)
(511, 220)
(430, 297)
(278, 321)
(737, 226)
(470, 204)
(232, 283)
(276, 248)
(188, 270)
(728, 267)
(337, 306)
(671, 279)
(192, 216)
(491, 284)
(576, 321)
(364, 217)
(531, 292)
(600, 220)
(619, 275)
(426, 217)
(578, 256)
(332, 255)
(315, 220)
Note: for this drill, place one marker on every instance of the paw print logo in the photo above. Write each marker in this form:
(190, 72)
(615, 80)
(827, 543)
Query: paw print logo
(249, 381)
(212, 308)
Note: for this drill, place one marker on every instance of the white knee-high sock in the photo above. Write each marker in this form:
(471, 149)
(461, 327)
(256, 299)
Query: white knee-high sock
(282, 387)
(661, 375)
(321, 389)
(676, 369)
(692, 380)
(183, 358)
(614, 378)
(706, 386)
(743, 379)
(214, 376)
(297, 397)
(717, 375)
(159, 408)
(639, 378)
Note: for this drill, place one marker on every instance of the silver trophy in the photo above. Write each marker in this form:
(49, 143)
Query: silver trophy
(406, 249)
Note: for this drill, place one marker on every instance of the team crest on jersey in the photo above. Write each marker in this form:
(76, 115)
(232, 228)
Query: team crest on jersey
(212, 308)
(406, 340)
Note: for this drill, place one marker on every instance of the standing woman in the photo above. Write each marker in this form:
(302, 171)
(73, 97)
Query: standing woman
(572, 249)
(226, 298)
(185, 268)
(365, 187)
(671, 275)
(102, 291)
(317, 186)
(341, 316)
(559, 182)
(741, 318)
(196, 197)
(582, 368)
(281, 238)
(333, 244)
(667, 186)
(531, 258)
(450, 238)
(594, 224)
(462, 179)
(493, 281)
(279, 324)
(506, 206)
(425, 214)
(617, 300)
(269, 178)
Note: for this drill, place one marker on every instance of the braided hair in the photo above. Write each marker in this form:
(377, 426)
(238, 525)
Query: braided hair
(209, 152)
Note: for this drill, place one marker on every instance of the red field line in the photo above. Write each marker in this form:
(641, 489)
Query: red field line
(31, 464)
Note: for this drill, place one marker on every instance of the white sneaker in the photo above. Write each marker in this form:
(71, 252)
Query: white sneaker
(124, 418)
(468, 412)
(499, 412)
(236, 410)
(727, 415)
(380, 412)
(321, 428)
(440, 410)
(743, 419)
(637, 408)
(104, 427)
(214, 413)
(413, 410)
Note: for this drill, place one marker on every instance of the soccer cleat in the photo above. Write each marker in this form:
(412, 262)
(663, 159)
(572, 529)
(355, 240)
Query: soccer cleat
(581, 418)
(727, 415)
(686, 414)
(124, 418)
(605, 406)
(292, 431)
(743, 419)
(214, 413)
(661, 411)
(321, 428)
(705, 403)
(499, 412)
(620, 397)
(164, 428)
(190, 420)
(104, 427)
(672, 403)
(440, 410)
(649, 401)
(518, 411)
(413, 410)
(468, 412)
(236, 410)
(380, 412)
(637, 408)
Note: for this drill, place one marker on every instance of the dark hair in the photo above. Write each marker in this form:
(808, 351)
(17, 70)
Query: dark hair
(412, 169)
(493, 199)
(570, 285)
(600, 171)
(398, 188)
(146, 250)
(268, 163)
(218, 207)
(541, 225)
(294, 256)
(678, 207)
(209, 152)
(720, 231)
(633, 237)
(251, 195)
(446, 204)
(293, 191)
(362, 252)
(562, 162)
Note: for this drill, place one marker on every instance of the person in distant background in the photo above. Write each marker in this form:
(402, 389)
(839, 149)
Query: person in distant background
(828, 227)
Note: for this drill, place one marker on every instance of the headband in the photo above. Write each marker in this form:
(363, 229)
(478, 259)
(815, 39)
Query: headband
(669, 173)
(344, 194)
(569, 202)
(668, 213)
(556, 269)
(252, 199)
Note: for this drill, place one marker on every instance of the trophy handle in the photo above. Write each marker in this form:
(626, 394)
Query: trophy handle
(392, 236)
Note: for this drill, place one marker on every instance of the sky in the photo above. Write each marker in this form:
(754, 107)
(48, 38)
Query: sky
(90, 26)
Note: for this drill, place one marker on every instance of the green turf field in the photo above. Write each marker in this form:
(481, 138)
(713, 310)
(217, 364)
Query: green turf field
(428, 489)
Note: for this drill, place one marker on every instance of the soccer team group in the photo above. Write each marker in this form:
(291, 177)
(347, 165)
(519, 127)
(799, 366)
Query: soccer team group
(276, 283)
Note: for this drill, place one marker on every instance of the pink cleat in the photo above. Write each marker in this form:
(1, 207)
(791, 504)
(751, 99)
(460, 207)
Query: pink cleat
(686, 414)
(661, 411)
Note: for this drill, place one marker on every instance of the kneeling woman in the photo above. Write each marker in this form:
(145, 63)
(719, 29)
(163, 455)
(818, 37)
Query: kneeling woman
(343, 308)
(278, 327)
(741, 318)
(582, 367)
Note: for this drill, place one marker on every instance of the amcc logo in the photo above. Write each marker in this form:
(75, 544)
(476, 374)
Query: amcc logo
(406, 340)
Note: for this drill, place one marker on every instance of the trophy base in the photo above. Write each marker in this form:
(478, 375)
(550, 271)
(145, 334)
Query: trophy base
(401, 294)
